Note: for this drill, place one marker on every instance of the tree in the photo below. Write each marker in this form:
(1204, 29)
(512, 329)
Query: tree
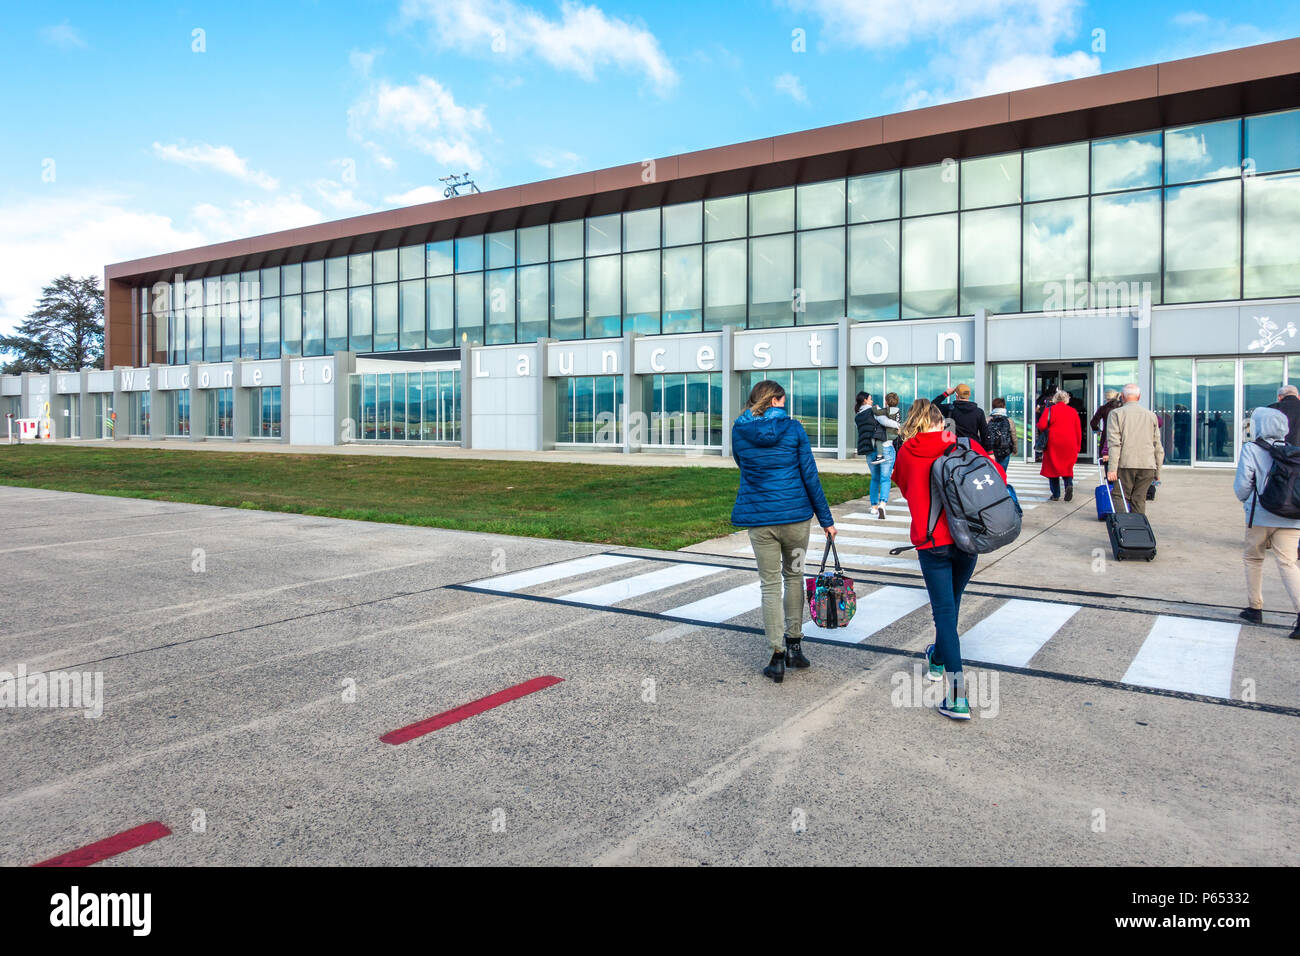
(66, 330)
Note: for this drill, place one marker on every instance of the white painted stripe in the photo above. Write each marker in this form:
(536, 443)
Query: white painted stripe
(676, 631)
(551, 572)
(876, 611)
(1185, 654)
(845, 543)
(859, 560)
(1013, 633)
(904, 517)
(721, 607)
(880, 527)
(625, 589)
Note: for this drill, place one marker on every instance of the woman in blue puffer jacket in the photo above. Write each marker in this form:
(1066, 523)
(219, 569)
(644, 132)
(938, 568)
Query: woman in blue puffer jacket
(779, 492)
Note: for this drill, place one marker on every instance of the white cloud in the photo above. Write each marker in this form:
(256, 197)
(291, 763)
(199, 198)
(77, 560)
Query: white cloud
(416, 196)
(340, 197)
(426, 116)
(223, 159)
(582, 40)
(789, 84)
(245, 217)
(64, 36)
(554, 159)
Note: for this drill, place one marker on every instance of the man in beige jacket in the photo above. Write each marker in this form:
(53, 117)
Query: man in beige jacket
(1133, 439)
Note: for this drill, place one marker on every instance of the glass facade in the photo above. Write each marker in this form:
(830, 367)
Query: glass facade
(221, 413)
(265, 407)
(590, 410)
(419, 406)
(812, 397)
(684, 409)
(1201, 213)
(137, 414)
(178, 413)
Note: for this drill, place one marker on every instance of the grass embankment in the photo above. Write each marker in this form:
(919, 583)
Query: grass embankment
(649, 507)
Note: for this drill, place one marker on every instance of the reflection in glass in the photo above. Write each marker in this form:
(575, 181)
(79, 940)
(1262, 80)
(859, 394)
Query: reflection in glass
(1008, 383)
(534, 302)
(1202, 242)
(1260, 380)
(1272, 241)
(469, 309)
(313, 276)
(1207, 151)
(1171, 383)
(500, 306)
(359, 269)
(604, 297)
(411, 262)
(1125, 248)
(438, 258)
(929, 189)
(990, 266)
(290, 282)
(929, 267)
(412, 314)
(1055, 255)
(501, 249)
(873, 271)
(771, 264)
(990, 181)
(361, 319)
(336, 272)
(641, 229)
(469, 253)
(566, 300)
(1273, 142)
(336, 321)
(1126, 162)
(873, 197)
(439, 295)
(683, 224)
(313, 323)
(724, 218)
(821, 276)
(821, 204)
(566, 240)
(641, 292)
(683, 297)
(1214, 409)
(270, 329)
(1056, 172)
(291, 325)
(533, 245)
(771, 211)
(603, 236)
(725, 283)
(386, 317)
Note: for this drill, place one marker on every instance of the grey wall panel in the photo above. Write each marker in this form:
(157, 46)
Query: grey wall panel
(1098, 336)
(809, 346)
(1206, 330)
(1269, 327)
(1024, 338)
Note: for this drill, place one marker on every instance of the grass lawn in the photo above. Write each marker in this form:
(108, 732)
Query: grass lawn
(665, 508)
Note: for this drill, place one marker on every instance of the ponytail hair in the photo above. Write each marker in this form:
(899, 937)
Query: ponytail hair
(762, 395)
(922, 416)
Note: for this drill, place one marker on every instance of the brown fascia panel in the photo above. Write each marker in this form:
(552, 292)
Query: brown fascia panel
(1231, 66)
(1088, 93)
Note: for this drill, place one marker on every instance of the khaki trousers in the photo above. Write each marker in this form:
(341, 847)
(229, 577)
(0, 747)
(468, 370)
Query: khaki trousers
(779, 550)
(1136, 481)
(1284, 542)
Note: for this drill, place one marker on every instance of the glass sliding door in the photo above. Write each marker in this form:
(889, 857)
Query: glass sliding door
(1215, 409)
(1008, 384)
(1260, 380)
(1171, 400)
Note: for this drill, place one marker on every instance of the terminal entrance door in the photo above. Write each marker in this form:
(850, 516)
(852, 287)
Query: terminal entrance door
(1076, 378)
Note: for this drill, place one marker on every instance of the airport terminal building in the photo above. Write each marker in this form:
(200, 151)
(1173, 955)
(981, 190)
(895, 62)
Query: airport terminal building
(1138, 226)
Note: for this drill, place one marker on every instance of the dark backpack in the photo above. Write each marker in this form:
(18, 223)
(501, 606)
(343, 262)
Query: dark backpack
(1281, 494)
(1001, 441)
(981, 513)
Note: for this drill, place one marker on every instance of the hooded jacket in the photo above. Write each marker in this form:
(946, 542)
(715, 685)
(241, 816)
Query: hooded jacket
(967, 418)
(778, 477)
(912, 474)
(1254, 464)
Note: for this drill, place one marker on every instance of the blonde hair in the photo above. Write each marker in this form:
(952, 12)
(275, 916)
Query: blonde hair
(921, 416)
(762, 395)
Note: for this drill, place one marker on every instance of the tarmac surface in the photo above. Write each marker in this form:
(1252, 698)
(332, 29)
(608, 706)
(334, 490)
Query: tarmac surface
(253, 663)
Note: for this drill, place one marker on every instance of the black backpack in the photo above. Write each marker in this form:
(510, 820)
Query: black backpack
(982, 516)
(1281, 494)
(1000, 440)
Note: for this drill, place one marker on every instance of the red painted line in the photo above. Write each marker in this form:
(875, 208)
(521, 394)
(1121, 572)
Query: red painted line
(126, 840)
(457, 714)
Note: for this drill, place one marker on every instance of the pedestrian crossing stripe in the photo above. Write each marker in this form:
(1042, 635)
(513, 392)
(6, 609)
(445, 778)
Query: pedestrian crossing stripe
(876, 611)
(624, 589)
(1188, 655)
(1015, 632)
(552, 572)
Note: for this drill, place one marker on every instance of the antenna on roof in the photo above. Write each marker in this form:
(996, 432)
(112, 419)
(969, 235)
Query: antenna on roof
(456, 183)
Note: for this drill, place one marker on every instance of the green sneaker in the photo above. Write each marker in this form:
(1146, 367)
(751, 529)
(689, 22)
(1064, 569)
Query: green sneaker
(960, 710)
(935, 670)
(955, 704)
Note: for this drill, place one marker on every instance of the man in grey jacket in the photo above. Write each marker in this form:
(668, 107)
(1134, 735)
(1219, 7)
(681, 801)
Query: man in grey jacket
(1134, 449)
(1263, 528)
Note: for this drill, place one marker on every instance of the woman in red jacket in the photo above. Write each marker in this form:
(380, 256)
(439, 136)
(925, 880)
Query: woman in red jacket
(1064, 438)
(945, 567)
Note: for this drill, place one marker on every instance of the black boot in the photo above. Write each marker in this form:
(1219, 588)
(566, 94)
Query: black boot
(1069, 492)
(1295, 631)
(794, 656)
(776, 669)
(1252, 615)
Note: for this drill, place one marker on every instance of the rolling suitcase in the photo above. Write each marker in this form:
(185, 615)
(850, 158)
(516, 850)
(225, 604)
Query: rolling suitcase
(1130, 534)
(1105, 503)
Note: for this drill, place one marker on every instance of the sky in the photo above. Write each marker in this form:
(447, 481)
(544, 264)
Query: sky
(142, 128)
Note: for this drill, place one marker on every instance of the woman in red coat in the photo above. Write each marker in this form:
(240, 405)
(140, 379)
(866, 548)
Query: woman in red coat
(1064, 438)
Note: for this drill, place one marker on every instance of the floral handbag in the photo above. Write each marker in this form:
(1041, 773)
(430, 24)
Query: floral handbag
(831, 600)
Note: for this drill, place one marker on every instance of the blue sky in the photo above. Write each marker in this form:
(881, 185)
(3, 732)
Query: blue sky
(134, 129)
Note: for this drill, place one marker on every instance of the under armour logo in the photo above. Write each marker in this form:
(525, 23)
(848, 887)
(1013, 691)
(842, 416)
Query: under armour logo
(985, 480)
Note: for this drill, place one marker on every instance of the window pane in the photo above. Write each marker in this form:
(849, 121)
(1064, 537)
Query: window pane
(359, 269)
(724, 218)
(990, 260)
(1126, 162)
(931, 380)
(1215, 385)
(385, 316)
(1272, 235)
(501, 249)
(725, 284)
(990, 181)
(821, 276)
(821, 204)
(604, 298)
(771, 211)
(501, 306)
(874, 197)
(1260, 380)
(362, 321)
(313, 322)
(641, 292)
(1171, 383)
(533, 245)
(249, 314)
(683, 272)
(1055, 253)
(567, 300)
(803, 403)
(412, 311)
(1125, 248)
(1273, 141)
(928, 189)
(929, 267)
(438, 258)
(313, 276)
(290, 280)
(1202, 242)
(566, 240)
(1057, 171)
(683, 224)
(270, 329)
(270, 284)
(534, 302)
(212, 333)
(469, 254)
(440, 296)
(399, 406)
(469, 309)
(411, 262)
(1208, 151)
(291, 325)
(336, 272)
(603, 235)
(771, 263)
(641, 229)
(336, 320)
(873, 271)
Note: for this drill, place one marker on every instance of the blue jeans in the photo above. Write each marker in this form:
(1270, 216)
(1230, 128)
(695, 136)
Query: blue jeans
(946, 570)
(882, 474)
(1003, 461)
(1055, 485)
